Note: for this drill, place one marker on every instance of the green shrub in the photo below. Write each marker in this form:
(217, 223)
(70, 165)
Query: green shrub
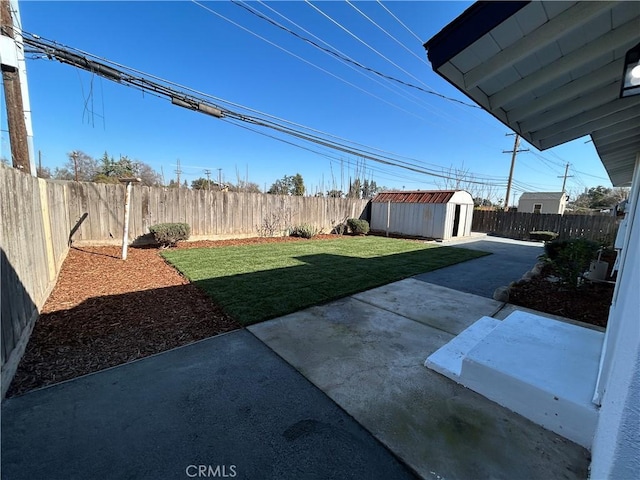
(168, 234)
(358, 226)
(304, 231)
(552, 249)
(543, 236)
(571, 258)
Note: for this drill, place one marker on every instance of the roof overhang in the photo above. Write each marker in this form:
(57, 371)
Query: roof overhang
(551, 71)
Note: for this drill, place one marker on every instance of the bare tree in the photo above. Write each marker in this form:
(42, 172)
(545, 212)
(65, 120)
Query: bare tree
(79, 166)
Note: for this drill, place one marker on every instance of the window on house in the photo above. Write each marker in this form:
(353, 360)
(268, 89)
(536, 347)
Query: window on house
(537, 208)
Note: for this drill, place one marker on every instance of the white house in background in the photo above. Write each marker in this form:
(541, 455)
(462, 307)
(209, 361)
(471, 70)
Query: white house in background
(440, 214)
(543, 202)
(555, 72)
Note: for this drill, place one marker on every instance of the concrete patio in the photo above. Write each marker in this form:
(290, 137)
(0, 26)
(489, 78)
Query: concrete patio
(360, 386)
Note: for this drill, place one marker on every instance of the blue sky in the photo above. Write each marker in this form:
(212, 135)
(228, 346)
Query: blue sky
(188, 44)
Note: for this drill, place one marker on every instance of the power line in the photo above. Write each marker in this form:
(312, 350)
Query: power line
(350, 62)
(345, 58)
(400, 22)
(218, 99)
(333, 159)
(421, 59)
(337, 54)
(304, 60)
(192, 102)
(146, 76)
(390, 61)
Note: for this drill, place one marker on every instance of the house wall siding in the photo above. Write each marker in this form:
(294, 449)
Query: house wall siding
(617, 439)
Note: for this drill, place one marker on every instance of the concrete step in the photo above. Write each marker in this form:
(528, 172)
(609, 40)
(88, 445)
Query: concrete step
(448, 359)
(543, 369)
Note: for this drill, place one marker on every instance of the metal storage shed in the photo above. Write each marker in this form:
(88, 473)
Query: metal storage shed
(440, 214)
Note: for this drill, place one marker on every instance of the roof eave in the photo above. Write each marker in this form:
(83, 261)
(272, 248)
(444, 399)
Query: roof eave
(476, 21)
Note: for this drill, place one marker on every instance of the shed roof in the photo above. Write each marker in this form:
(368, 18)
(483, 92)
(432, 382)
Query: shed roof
(424, 196)
(542, 195)
(551, 71)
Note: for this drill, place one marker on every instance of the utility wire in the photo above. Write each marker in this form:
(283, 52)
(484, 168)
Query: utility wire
(431, 92)
(398, 88)
(421, 59)
(445, 116)
(380, 173)
(400, 22)
(345, 58)
(303, 59)
(410, 96)
(342, 57)
(67, 55)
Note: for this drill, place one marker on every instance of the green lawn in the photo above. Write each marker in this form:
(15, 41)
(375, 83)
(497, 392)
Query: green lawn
(257, 282)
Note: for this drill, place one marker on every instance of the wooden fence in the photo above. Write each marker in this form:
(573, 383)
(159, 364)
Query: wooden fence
(97, 210)
(40, 219)
(517, 225)
(34, 234)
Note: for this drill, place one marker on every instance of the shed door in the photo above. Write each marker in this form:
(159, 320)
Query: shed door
(456, 221)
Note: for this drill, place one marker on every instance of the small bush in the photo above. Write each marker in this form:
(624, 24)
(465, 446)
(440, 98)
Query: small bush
(571, 258)
(358, 226)
(168, 234)
(340, 229)
(304, 231)
(552, 249)
(543, 236)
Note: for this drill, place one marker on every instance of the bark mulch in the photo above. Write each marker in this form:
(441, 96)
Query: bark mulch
(589, 303)
(105, 312)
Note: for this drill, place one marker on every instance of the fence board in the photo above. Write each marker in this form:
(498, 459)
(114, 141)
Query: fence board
(211, 214)
(518, 225)
(33, 244)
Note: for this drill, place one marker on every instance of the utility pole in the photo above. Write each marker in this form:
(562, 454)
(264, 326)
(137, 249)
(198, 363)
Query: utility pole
(219, 179)
(513, 153)
(74, 156)
(13, 98)
(39, 171)
(178, 171)
(207, 172)
(564, 177)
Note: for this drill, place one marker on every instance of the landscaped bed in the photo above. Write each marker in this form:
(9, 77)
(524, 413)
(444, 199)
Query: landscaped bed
(561, 287)
(105, 312)
(589, 304)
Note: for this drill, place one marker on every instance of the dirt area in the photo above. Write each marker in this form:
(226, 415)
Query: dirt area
(105, 312)
(589, 303)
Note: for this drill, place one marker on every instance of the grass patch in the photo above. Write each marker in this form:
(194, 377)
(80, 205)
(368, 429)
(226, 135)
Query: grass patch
(258, 282)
